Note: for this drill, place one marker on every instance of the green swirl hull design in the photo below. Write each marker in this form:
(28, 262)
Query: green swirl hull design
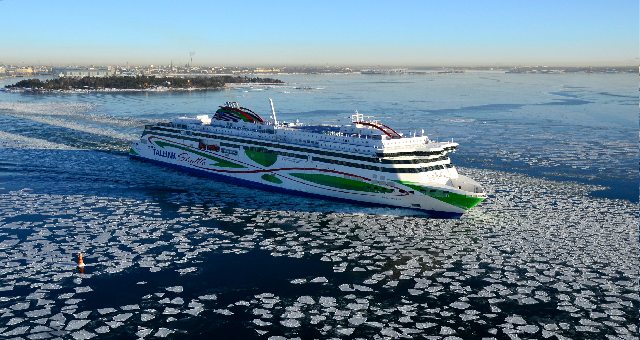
(271, 178)
(341, 183)
(261, 156)
(461, 201)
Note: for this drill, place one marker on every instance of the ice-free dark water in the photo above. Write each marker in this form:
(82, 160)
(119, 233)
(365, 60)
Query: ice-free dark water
(552, 252)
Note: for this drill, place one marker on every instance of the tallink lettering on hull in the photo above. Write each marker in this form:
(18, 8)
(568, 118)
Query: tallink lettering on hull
(185, 157)
(164, 153)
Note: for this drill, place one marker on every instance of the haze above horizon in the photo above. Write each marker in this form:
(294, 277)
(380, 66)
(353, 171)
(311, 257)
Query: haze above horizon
(407, 33)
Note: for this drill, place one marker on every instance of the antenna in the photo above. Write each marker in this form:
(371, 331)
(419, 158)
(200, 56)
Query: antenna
(357, 117)
(273, 113)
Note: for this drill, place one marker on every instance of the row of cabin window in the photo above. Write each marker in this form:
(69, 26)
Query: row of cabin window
(376, 168)
(324, 153)
(279, 153)
(413, 161)
(353, 165)
(227, 145)
(415, 153)
(418, 170)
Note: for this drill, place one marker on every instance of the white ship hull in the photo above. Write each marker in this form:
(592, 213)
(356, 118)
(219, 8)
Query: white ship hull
(280, 170)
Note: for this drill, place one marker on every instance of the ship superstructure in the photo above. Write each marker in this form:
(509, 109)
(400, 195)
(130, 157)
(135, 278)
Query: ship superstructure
(365, 161)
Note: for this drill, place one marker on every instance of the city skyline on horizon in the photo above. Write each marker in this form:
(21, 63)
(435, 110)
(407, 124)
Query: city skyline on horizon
(408, 34)
(311, 66)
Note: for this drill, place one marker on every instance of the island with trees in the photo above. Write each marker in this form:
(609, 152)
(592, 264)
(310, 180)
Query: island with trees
(138, 83)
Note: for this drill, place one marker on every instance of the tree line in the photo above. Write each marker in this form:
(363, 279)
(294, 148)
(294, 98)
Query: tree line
(138, 82)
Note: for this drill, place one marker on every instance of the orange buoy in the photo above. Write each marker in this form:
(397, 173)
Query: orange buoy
(80, 262)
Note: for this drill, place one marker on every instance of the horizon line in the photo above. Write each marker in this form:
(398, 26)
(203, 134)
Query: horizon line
(498, 65)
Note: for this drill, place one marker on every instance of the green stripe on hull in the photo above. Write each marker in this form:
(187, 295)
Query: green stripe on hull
(219, 161)
(461, 201)
(271, 178)
(341, 183)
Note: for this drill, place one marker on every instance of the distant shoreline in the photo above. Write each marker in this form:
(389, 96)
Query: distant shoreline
(134, 84)
(155, 89)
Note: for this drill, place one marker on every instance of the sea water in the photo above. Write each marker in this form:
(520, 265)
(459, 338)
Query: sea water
(552, 252)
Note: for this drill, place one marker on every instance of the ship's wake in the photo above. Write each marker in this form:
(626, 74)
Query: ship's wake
(64, 126)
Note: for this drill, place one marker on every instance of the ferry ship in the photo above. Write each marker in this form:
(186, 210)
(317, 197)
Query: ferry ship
(365, 161)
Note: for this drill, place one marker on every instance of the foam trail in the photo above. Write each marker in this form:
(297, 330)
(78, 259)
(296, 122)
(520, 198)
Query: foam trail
(21, 142)
(47, 108)
(80, 127)
(79, 110)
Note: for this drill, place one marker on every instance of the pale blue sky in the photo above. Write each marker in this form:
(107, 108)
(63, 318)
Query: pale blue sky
(451, 32)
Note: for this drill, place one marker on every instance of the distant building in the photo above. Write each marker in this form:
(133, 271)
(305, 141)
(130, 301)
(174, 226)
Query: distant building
(3, 70)
(76, 72)
(24, 71)
(129, 73)
(266, 70)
